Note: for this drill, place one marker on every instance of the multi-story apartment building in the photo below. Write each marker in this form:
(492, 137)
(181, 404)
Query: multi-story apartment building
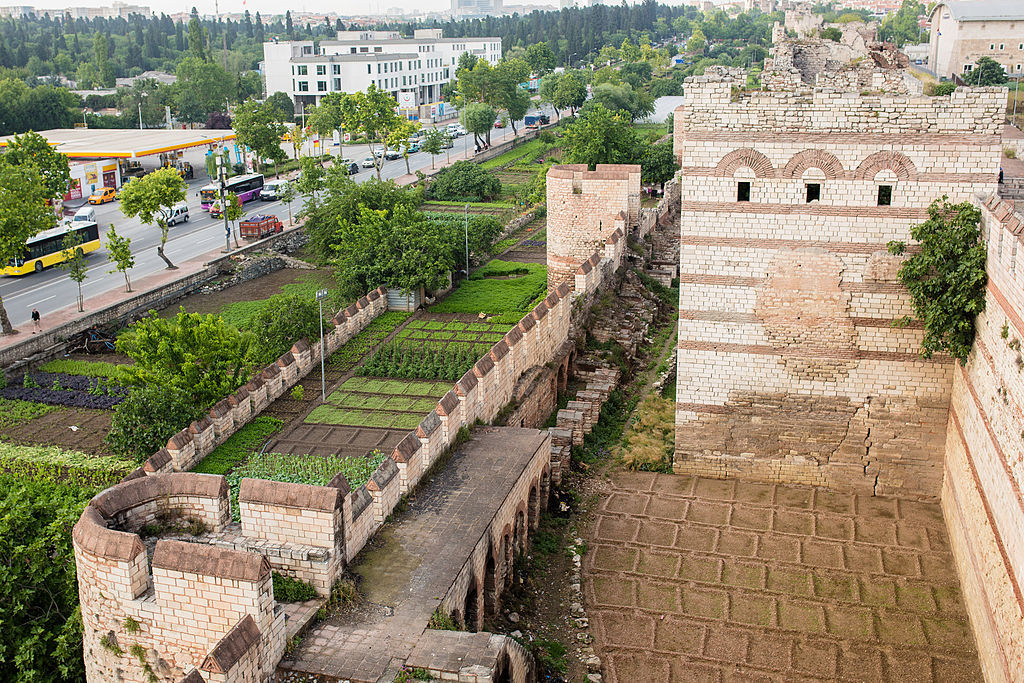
(964, 32)
(464, 9)
(412, 70)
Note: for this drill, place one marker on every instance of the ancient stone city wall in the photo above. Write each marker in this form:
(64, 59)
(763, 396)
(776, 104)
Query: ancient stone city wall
(231, 630)
(790, 368)
(981, 493)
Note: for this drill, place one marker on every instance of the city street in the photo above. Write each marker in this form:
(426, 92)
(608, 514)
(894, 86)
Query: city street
(51, 290)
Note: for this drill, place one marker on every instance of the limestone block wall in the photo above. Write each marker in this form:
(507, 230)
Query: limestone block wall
(583, 207)
(789, 366)
(186, 448)
(186, 604)
(981, 495)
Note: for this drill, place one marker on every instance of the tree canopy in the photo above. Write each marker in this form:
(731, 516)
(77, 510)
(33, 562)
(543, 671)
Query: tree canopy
(23, 213)
(151, 199)
(600, 136)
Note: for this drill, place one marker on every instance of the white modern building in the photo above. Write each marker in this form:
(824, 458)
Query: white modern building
(411, 69)
(965, 31)
(465, 9)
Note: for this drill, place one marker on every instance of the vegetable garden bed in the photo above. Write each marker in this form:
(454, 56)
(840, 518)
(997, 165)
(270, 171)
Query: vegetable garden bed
(500, 287)
(379, 403)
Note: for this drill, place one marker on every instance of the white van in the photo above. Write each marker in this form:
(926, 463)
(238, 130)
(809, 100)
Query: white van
(179, 214)
(86, 214)
(273, 190)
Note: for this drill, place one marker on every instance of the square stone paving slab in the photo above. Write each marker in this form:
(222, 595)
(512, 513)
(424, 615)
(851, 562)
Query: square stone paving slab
(691, 579)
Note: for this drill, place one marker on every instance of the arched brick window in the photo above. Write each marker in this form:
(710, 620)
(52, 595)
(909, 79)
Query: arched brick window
(745, 157)
(898, 163)
(827, 162)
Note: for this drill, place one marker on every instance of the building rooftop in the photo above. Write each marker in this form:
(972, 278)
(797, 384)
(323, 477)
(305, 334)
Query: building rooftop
(95, 143)
(984, 10)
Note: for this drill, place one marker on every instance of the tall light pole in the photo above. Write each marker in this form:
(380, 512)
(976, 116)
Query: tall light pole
(140, 109)
(321, 294)
(467, 241)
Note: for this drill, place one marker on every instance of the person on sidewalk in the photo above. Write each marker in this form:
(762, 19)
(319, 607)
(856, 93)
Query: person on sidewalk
(35, 320)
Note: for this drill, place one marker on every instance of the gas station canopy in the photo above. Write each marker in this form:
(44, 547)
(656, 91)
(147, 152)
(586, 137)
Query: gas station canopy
(101, 143)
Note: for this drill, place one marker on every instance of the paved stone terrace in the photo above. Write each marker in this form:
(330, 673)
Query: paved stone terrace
(691, 579)
(411, 565)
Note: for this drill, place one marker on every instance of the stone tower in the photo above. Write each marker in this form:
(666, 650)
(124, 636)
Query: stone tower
(790, 366)
(584, 208)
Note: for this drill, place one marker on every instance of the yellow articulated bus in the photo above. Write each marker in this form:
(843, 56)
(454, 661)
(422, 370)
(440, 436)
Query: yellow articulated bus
(45, 249)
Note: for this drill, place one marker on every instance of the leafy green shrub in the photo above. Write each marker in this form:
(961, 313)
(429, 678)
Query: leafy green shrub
(941, 89)
(239, 445)
(441, 621)
(40, 623)
(464, 181)
(288, 589)
(195, 354)
(151, 415)
(283, 320)
(298, 392)
(947, 278)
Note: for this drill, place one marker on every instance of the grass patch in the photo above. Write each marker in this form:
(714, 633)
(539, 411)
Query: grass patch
(649, 444)
(239, 446)
(287, 589)
(87, 368)
(484, 294)
(241, 313)
(14, 412)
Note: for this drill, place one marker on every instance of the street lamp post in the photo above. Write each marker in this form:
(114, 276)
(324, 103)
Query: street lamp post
(467, 241)
(321, 294)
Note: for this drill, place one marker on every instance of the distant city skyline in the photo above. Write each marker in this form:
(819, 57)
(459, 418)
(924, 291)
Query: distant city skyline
(268, 7)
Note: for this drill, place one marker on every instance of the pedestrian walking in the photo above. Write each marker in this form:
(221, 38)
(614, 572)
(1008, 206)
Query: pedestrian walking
(35, 320)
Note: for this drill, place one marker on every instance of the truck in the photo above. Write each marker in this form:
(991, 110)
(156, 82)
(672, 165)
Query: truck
(259, 226)
(531, 121)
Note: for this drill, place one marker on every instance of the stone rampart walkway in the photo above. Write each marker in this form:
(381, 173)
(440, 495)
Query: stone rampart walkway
(411, 565)
(692, 579)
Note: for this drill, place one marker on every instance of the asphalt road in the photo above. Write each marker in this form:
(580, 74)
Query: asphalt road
(51, 290)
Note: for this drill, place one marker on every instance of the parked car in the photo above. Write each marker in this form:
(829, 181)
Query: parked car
(456, 130)
(412, 145)
(448, 142)
(178, 214)
(273, 190)
(352, 166)
(369, 162)
(500, 123)
(391, 154)
(86, 214)
(102, 195)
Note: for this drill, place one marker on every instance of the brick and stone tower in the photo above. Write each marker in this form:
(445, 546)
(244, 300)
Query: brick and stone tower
(584, 208)
(790, 367)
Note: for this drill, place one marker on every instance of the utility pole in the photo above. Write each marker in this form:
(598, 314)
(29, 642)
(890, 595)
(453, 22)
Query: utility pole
(222, 177)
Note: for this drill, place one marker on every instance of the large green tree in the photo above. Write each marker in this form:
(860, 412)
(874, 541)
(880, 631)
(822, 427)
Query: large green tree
(329, 116)
(23, 213)
(372, 114)
(541, 59)
(151, 199)
(257, 128)
(600, 137)
(32, 149)
(635, 104)
(202, 87)
(986, 72)
(478, 119)
(571, 93)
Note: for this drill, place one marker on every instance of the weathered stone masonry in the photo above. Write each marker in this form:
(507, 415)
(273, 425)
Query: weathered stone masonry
(984, 464)
(789, 366)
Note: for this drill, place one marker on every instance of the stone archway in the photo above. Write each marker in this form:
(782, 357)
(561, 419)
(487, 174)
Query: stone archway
(533, 506)
(471, 607)
(745, 158)
(824, 161)
(492, 590)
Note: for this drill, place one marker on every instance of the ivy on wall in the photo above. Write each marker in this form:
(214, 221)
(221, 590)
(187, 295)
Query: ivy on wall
(947, 278)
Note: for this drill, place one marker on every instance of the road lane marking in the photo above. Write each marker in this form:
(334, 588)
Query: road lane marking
(42, 300)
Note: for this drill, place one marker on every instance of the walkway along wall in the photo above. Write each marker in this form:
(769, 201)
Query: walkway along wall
(790, 368)
(981, 492)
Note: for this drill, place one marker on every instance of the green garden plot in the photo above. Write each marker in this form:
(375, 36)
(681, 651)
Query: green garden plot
(379, 403)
